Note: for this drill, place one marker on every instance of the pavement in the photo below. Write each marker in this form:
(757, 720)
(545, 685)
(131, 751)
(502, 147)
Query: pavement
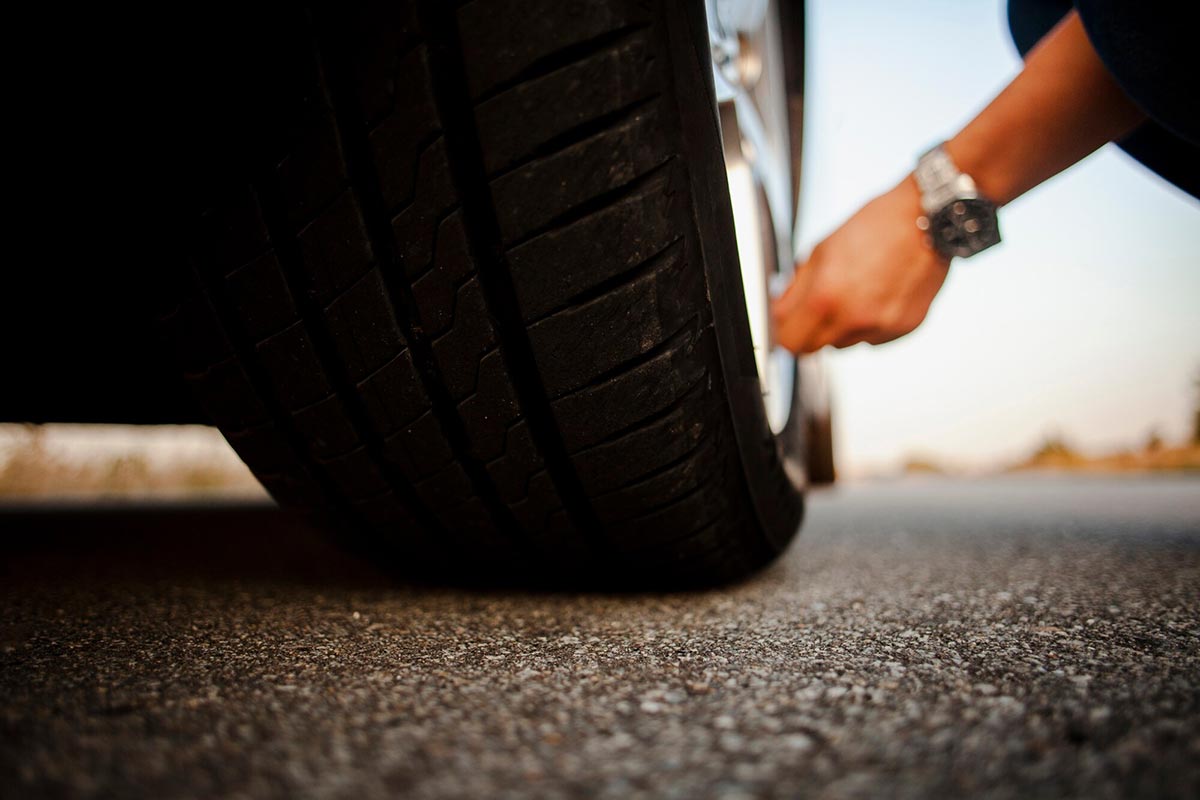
(1031, 636)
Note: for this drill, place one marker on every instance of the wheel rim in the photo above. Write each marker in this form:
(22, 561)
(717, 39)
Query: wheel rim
(748, 73)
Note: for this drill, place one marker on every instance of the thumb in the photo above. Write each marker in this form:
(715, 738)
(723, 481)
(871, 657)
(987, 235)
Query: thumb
(792, 321)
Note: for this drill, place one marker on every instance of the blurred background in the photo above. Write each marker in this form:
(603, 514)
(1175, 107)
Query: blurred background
(102, 462)
(1075, 344)
(1077, 337)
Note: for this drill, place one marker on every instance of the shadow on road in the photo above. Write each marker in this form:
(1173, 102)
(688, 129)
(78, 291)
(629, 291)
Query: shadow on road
(255, 542)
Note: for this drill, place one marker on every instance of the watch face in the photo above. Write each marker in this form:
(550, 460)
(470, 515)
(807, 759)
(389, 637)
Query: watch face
(964, 227)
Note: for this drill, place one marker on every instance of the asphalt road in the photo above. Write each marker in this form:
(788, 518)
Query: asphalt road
(1025, 637)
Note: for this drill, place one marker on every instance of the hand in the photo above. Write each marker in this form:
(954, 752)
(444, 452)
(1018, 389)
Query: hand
(872, 280)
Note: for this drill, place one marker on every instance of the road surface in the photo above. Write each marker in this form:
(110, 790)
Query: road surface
(1017, 637)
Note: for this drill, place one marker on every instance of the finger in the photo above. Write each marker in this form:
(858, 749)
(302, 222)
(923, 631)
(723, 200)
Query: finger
(823, 335)
(794, 315)
(800, 329)
(873, 334)
(815, 342)
(846, 328)
(882, 336)
(853, 337)
(788, 302)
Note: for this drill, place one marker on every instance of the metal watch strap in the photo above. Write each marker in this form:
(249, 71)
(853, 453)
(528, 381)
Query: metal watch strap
(958, 221)
(940, 181)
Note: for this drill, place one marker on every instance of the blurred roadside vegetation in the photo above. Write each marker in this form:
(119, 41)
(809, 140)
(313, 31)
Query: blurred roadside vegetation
(1056, 453)
(61, 462)
(1153, 456)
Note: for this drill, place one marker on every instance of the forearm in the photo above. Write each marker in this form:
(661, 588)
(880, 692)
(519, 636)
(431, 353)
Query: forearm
(1061, 107)
(874, 278)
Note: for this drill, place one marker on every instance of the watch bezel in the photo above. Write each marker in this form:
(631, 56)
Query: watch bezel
(950, 227)
(951, 203)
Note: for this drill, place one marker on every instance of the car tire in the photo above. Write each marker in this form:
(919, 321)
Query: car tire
(463, 279)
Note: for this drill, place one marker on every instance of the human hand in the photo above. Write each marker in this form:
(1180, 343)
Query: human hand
(872, 280)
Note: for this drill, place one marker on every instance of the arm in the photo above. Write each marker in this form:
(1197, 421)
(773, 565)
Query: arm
(874, 278)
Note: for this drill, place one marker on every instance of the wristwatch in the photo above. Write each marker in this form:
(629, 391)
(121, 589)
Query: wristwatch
(958, 220)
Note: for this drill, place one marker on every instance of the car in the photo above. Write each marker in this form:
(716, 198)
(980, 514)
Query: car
(483, 285)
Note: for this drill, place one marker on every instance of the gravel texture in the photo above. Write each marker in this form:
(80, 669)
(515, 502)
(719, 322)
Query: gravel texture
(1019, 637)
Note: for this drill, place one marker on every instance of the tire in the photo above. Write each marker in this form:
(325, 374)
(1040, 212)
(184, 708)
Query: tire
(464, 280)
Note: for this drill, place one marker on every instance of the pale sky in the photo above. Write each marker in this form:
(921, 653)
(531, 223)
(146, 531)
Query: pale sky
(1084, 321)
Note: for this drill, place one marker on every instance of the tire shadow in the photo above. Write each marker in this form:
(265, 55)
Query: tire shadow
(255, 542)
(250, 543)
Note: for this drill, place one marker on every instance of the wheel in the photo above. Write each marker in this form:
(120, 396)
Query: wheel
(759, 91)
(466, 281)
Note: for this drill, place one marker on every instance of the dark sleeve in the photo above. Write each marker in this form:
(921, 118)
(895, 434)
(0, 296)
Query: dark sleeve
(1141, 45)
(1030, 20)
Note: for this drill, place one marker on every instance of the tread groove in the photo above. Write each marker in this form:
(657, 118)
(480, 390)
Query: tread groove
(645, 422)
(593, 204)
(399, 57)
(452, 96)
(625, 366)
(365, 181)
(425, 144)
(563, 57)
(247, 355)
(287, 250)
(607, 285)
(313, 218)
(671, 502)
(456, 288)
(579, 133)
(689, 454)
(433, 248)
(694, 533)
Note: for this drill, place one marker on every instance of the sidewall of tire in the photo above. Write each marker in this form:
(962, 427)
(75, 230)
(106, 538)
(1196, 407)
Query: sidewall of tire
(776, 492)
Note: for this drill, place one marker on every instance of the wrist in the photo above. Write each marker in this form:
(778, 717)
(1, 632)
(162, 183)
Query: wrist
(958, 218)
(993, 177)
(909, 192)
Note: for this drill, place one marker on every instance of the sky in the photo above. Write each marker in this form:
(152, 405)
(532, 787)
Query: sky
(1083, 323)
